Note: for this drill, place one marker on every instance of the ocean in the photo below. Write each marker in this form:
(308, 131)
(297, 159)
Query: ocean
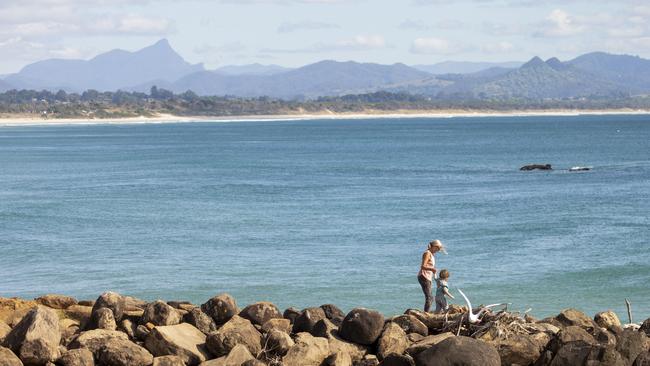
(303, 213)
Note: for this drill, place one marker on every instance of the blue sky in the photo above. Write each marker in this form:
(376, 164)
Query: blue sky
(298, 32)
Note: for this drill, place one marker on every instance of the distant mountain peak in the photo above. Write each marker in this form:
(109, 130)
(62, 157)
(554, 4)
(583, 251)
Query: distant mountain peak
(556, 64)
(534, 62)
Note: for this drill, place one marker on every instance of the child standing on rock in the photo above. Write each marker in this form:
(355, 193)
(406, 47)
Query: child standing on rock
(442, 290)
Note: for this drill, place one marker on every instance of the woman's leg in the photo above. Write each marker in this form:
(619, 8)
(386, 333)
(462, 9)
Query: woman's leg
(426, 288)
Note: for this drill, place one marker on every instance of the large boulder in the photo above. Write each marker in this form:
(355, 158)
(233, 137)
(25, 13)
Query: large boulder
(307, 351)
(291, 314)
(182, 340)
(518, 349)
(113, 301)
(36, 338)
(119, 352)
(459, 351)
(279, 324)
(397, 360)
(168, 361)
(326, 329)
(645, 327)
(260, 312)
(200, 320)
(607, 319)
(56, 301)
(427, 342)
(160, 313)
(277, 343)
(80, 313)
(362, 326)
(392, 340)
(576, 353)
(238, 356)
(411, 324)
(93, 340)
(643, 359)
(307, 319)
(8, 358)
(77, 357)
(12, 310)
(572, 334)
(333, 313)
(236, 331)
(630, 344)
(573, 317)
(338, 359)
(221, 308)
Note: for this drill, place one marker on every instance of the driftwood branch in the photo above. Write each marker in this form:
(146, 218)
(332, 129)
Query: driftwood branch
(629, 310)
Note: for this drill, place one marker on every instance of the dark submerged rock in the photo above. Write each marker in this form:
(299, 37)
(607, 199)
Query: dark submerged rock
(536, 167)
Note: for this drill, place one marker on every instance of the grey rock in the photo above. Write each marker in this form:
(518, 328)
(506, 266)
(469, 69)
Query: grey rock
(77, 357)
(277, 343)
(392, 340)
(260, 312)
(35, 339)
(411, 324)
(119, 352)
(333, 313)
(159, 313)
(459, 351)
(307, 319)
(110, 300)
(8, 358)
(236, 331)
(221, 308)
(104, 319)
(200, 320)
(362, 326)
(168, 361)
(56, 301)
(182, 340)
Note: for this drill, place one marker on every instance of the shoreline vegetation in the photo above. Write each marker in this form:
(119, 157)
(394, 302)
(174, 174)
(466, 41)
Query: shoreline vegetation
(117, 330)
(27, 107)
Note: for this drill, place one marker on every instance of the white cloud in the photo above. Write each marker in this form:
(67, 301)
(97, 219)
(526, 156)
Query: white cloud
(363, 42)
(307, 25)
(498, 47)
(434, 46)
(560, 24)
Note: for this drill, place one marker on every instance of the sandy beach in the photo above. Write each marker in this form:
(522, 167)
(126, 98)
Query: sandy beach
(23, 120)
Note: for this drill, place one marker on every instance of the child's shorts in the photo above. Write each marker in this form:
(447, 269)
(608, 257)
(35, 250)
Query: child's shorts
(441, 304)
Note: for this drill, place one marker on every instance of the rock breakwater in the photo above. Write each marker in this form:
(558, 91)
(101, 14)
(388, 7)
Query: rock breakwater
(117, 330)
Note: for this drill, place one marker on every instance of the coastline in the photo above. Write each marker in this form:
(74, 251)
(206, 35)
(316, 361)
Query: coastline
(23, 120)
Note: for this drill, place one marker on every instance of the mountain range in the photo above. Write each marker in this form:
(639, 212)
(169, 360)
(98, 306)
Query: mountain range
(594, 74)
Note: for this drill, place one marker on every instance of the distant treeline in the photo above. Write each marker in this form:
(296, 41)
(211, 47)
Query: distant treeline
(95, 104)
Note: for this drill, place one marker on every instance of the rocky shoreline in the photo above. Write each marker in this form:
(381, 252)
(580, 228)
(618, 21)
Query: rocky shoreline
(117, 330)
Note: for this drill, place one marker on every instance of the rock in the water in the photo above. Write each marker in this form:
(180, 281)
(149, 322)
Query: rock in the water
(113, 301)
(333, 313)
(536, 167)
(182, 340)
(630, 344)
(77, 357)
(260, 312)
(8, 358)
(160, 313)
(119, 352)
(307, 318)
(362, 326)
(459, 351)
(279, 324)
(168, 361)
(56, 301)
(277, 343)
(397, 360)
(607, 319)
(36, 338)
(200, 320)
(307, 351)
(427, 342)
(94, 339)
(291, 314)
(392, 340)
(4, 330)
(104, 319)
(518, 349)
(221, 308)
(236, 331)
(411, 324)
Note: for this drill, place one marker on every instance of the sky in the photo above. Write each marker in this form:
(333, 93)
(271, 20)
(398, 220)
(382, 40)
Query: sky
(297, 32)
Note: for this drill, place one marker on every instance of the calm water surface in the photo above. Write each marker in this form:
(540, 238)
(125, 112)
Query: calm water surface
(308, 212)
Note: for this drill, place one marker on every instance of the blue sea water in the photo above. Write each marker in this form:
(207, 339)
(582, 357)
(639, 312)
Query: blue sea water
(303, 213)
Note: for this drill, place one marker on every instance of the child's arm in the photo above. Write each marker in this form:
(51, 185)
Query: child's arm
(446, 292)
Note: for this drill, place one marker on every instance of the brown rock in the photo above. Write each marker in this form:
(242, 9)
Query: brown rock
(369, 360)
(392, 340)
(56, 301)
(260, 312)
(643, 359)
(90, 303)
(338, 359)
(333, 313)
(630, 344)
(573, 353)
(77, 357)
(113, 301)
(362, 326)
(79, 313)
(607, 319)
(326, 329)
(159, 313)
(8, 358)
(574, 333)
(307, 351)
(459, 351)
(253, 362)
(128, 327)
(182, 340)
(14, 309)
(518, 349)
(168, 361)
(4, 330)
(236, 331)
(397, 360)
(307, 318)
(279, 324)
(221, 308)
(200, 320)
(573, 317)
(94, 339)
(291, 314)
(119, 352)
(414, 337)
(141, 332)
(411, 324)
(104, 319)
(427, 342)
(36, 338)
(277, 343)
(645, 327)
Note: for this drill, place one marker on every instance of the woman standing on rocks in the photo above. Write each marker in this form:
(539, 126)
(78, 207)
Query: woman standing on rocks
(428, 270)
